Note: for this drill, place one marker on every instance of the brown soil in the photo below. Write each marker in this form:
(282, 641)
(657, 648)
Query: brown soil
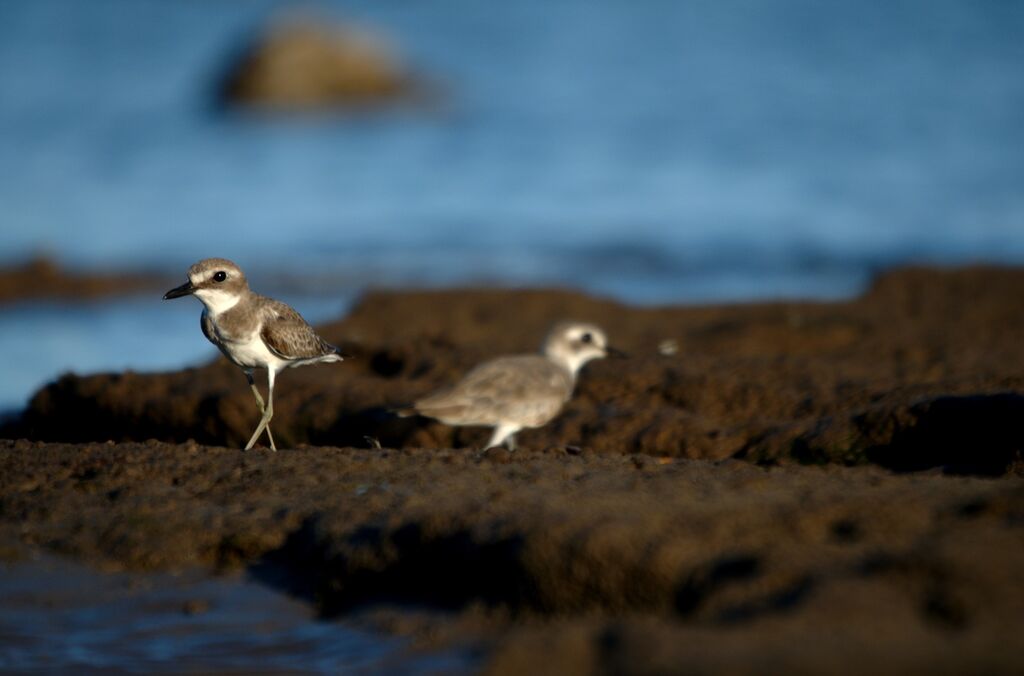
(42, 278)
(666, 521)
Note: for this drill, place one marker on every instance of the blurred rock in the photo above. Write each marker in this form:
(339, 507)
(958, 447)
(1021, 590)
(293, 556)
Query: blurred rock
(305, 63)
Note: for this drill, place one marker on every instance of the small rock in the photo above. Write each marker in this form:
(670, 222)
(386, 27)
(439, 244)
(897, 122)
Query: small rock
(668, 347)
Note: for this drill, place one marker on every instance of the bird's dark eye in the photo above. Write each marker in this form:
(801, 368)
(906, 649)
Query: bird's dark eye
(220, 276)
(586, 338)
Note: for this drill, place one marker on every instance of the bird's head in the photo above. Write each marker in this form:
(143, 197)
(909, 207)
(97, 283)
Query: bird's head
(217, 282)
(573, 344)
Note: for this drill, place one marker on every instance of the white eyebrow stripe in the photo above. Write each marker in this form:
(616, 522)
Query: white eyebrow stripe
(205, 276)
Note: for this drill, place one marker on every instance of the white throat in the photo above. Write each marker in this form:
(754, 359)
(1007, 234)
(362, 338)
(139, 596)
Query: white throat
(217, 301)
(571, 362)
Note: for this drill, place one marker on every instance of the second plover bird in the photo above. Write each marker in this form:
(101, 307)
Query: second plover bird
(253, 331)
(521, 391)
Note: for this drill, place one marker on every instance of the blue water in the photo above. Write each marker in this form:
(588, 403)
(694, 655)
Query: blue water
(61, 618)
(655, 151)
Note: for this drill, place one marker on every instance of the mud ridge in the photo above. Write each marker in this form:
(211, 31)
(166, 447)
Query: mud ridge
(925, 370)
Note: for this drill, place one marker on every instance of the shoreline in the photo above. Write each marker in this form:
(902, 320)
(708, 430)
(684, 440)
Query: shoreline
(802, 485)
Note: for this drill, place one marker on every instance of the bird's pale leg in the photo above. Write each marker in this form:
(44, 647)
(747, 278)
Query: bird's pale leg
(268, 413)
(259, 402)
(270, 405)
(255, 392)
(501, 434)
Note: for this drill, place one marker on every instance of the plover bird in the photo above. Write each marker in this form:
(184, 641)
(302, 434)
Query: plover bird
(521, 391)
(253, 331)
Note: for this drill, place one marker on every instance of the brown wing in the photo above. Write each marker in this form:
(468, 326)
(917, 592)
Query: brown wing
(288, 336)
(528, 388)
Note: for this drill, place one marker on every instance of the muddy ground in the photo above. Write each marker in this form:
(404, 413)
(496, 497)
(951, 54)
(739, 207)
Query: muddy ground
(781, 487)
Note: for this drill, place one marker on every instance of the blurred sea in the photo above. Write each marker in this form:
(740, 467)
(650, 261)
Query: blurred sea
(656, 151)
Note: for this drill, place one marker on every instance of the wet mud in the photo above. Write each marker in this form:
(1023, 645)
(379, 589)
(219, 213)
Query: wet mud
(798, 487)
(600, 562)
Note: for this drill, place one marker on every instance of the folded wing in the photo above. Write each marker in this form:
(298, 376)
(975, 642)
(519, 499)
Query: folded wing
(526, 388)
(290, 337)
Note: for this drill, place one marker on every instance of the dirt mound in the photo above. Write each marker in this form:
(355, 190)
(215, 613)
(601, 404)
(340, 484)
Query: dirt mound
(924, 370)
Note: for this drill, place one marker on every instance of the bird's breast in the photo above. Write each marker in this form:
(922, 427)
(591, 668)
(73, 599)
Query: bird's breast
(249, 350)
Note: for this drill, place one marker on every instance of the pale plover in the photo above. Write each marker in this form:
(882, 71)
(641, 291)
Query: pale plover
(520, 391)
(253, 331)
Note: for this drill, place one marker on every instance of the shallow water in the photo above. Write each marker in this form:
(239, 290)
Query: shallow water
(656, 152)
(60, 617)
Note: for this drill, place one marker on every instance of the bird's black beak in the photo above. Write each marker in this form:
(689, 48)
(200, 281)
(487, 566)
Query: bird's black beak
(614, 353)
(185, 289)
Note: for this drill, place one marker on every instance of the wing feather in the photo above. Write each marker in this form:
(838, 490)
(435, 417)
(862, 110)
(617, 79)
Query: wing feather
(290, 337)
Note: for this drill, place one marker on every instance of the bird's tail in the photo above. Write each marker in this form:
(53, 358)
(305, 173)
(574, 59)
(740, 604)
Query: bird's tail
(338, 351)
